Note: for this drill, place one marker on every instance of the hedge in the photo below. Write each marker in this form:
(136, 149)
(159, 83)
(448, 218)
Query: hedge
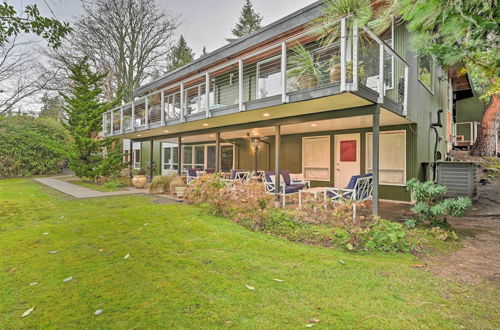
(31, 146)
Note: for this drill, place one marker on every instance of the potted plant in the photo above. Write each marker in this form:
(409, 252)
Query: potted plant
(178, 186)
(305, 69)
(139, 180)
(335, 70)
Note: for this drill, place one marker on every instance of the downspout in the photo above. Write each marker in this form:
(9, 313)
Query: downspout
(438, 139)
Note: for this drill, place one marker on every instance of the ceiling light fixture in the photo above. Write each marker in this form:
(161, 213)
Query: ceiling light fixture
(266, 115)
(314, 125)
(139, 135)
(205, 124)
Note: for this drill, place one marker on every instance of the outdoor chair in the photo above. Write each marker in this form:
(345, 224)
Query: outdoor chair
(237, 176)
(193, 174)
(287, 186)
(360, 188)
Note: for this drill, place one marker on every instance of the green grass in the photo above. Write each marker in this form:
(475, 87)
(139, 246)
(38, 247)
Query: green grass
(189, 270)
(95, 186)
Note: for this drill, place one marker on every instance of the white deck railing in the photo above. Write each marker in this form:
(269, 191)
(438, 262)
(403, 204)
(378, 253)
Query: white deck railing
(271, 71)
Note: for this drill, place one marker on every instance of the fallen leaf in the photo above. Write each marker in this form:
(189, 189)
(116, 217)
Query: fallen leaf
(67, 279)
(100, 250)
(278, 280)
(313, 321)
(33, 283)
(418, 266)
(309, 325)
(53, 252)
(45, 233)
(249, 287)
(97, 312)
(62, 216)
(13, 270)
(126, 256)
(146, 224)
(28, 312)
(343, 263)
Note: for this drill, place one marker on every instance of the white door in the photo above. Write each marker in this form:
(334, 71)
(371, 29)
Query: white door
(347, 162)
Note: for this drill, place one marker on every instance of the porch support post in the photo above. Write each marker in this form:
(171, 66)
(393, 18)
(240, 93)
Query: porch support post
(130, 160)
(375, 159)
(151, 144)
(217, 152)
(277, 176)
(179, 155)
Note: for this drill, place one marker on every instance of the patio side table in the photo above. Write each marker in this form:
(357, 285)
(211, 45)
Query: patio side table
(313, 191)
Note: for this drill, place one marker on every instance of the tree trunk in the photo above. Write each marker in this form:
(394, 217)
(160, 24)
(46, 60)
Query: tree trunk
(485, 144)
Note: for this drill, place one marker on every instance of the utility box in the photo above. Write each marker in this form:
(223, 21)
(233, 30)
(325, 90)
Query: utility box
(460, 178)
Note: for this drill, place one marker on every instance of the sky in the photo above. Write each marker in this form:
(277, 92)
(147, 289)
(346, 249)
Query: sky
(203, 22)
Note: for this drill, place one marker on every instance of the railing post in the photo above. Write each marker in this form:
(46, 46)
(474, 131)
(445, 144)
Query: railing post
(405, 94)
(133, 116)
(104, 124)
(354, 57)
(381, 75)
(343, 36)
(121, 119)
(182, 102)
(162, 107)
(112, 123)
(207, 92)
(146, 108)
(240, 84)
(284, 97)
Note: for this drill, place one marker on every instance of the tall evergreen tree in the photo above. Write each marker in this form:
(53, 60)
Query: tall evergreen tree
(248, 22)
(180, 55)
(90, 155)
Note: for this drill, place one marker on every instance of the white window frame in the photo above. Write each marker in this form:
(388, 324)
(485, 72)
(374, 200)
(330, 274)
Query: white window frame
(171, 165)
(258, 74)
(304, 139)
(136, 146)
(369, 169)
(193, 154)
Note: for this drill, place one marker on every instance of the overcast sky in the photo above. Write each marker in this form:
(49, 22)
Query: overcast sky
(204, 22)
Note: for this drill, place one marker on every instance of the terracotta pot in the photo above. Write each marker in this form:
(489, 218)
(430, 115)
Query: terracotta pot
(180, 191)
(139, 181)
(335, 74)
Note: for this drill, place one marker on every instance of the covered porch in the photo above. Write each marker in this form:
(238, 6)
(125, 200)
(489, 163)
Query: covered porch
(326, 148)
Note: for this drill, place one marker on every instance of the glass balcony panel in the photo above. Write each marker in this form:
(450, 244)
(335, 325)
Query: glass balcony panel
(127, 118)
(154, 108)
(140, 114)
(269, 77)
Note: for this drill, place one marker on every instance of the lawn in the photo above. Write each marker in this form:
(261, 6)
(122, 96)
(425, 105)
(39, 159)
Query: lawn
(189, 270)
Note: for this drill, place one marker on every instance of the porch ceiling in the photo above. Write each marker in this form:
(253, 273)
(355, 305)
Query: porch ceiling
(323, 104)
(386, 118)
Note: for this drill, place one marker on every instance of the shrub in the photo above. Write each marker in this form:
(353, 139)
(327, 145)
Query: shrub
(31, 146)
(141, 172)
(431, 206)
(386, 236)
(161, 183)
(114, 184)
(443, 234)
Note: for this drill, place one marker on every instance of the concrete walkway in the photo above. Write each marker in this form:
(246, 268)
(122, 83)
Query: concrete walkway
(83, 192)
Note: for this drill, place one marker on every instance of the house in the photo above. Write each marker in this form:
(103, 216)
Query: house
(280, 99)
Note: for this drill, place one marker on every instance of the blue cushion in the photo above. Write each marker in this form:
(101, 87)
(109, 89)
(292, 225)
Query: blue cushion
(292, 189)
(234, 172)
(191, 172)
(267, 175)
(286, 176)
(354, 179)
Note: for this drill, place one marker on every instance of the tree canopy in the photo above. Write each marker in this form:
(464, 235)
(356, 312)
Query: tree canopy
(248, 22)
(180, 55)
(13, 24)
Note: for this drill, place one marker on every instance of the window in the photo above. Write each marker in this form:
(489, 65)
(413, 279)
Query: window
(136, 147)
(269, 77)
(316, 158)
(426, 71)
(170, 158)
(392, 150)
(187, 158)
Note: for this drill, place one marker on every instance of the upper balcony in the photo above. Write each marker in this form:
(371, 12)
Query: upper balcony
(295, 68)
